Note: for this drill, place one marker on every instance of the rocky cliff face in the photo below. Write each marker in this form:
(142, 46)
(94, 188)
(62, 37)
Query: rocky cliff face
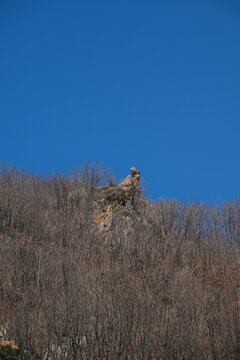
(119, 201)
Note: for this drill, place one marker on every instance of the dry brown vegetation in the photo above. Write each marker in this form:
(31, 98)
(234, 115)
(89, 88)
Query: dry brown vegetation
(166, 287)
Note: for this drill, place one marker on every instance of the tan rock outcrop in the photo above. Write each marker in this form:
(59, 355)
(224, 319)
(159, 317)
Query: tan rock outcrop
(131, 182)
(119, 199)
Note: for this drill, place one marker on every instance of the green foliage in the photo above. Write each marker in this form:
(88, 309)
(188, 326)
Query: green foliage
(7, 352)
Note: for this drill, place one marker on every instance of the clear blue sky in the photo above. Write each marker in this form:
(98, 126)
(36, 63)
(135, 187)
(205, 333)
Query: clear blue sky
(155, 84)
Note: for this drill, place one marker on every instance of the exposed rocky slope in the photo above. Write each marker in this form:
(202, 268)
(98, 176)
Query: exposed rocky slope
(121, 200)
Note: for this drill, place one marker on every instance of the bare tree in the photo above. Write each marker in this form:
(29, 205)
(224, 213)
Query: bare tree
(161, 283)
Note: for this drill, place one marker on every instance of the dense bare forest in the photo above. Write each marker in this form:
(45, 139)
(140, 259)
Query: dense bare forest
(160, 281)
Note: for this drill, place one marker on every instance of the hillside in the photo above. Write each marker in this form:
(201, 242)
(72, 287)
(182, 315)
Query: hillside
(93, 270)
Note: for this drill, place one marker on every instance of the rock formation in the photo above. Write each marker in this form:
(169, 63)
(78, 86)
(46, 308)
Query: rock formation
(131, 182)
(119, 200)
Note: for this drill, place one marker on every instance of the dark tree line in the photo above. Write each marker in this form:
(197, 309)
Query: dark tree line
(163, 286)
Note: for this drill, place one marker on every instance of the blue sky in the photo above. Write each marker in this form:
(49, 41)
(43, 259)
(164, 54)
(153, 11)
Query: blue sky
(154, 84)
